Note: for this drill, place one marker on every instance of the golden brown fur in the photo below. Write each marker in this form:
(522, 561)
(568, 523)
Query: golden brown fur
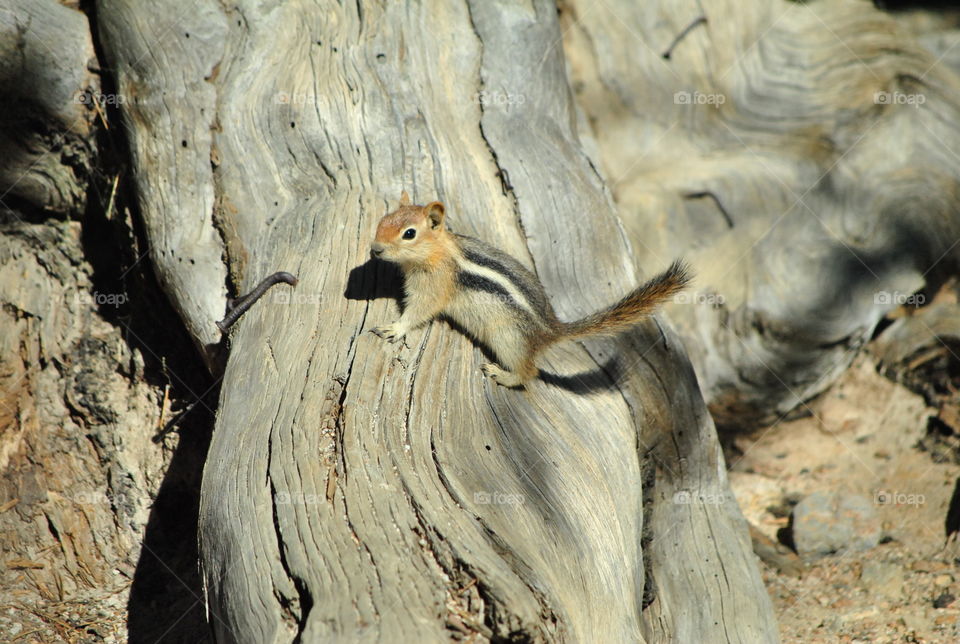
(490, 294)
(637, 305)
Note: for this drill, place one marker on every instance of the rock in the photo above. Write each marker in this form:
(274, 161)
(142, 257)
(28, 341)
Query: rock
(861, 615)
(883, 579)
(942, 580)
(755, 493)
(944, 600)
(828, 522)
(926, 565)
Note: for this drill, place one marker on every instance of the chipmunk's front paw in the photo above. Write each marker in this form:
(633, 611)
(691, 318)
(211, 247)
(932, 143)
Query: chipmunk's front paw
(500, 375)
(390, 332)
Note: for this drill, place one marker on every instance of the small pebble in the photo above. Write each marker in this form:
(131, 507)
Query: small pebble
(944, 600)
(928, 566)
(883, 578)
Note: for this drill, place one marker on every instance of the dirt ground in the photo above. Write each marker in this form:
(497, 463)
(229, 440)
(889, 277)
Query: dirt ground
(865, 436)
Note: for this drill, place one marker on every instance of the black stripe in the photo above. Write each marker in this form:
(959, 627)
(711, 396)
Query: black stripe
(481, 283)
(499, 267)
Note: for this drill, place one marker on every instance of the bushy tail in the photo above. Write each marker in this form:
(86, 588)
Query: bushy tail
(631, 309)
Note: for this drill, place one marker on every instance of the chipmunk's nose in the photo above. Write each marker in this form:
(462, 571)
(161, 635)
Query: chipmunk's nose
(376, 248)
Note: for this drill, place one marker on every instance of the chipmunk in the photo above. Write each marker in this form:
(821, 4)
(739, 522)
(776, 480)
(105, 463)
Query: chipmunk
(490, 294)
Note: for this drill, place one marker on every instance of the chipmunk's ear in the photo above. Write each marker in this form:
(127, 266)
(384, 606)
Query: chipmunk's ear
(434, 213)
(404, 198)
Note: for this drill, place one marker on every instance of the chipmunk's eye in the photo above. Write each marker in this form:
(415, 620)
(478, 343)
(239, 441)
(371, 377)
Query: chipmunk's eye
(410, 233)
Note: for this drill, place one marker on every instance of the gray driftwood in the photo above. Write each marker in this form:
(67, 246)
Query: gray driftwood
(804, 156)
(356, 490)
(46, 126)
(170, 109)
(360, 491)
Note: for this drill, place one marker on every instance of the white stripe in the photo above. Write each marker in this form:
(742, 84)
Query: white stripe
(499, 279)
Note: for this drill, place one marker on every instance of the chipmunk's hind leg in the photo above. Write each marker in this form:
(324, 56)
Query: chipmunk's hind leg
(516, 356)
(501, 376)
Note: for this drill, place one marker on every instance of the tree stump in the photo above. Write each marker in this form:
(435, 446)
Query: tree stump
(798, 155)
(356, 490)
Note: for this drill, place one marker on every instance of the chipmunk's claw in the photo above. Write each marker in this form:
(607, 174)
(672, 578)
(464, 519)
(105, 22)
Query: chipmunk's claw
(500, 375)
(389, 332)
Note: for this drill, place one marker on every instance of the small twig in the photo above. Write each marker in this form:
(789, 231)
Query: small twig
(241, 305)
(926, 357)
(24, 634)
(682, 35)
(163, 407)
(472, 583)
(113, 195)
(103, 117)
(170, 426)
(53, 620)
(786, 562)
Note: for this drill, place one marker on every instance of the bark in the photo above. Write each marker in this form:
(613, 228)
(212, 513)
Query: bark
(84, 490)
(86, 354)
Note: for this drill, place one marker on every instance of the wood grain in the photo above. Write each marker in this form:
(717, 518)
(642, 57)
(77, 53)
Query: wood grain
(165, 60)
(802, 156)
(356, 490)
(49, 95)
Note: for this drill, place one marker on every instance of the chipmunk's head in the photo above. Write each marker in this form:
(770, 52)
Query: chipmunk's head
(412, 236)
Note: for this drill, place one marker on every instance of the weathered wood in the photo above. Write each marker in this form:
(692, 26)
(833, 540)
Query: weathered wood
(46, 123)
(354, 490)
(357, 490)
(802, 156)
(165, 65)
(911, 337)
(83, 346)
